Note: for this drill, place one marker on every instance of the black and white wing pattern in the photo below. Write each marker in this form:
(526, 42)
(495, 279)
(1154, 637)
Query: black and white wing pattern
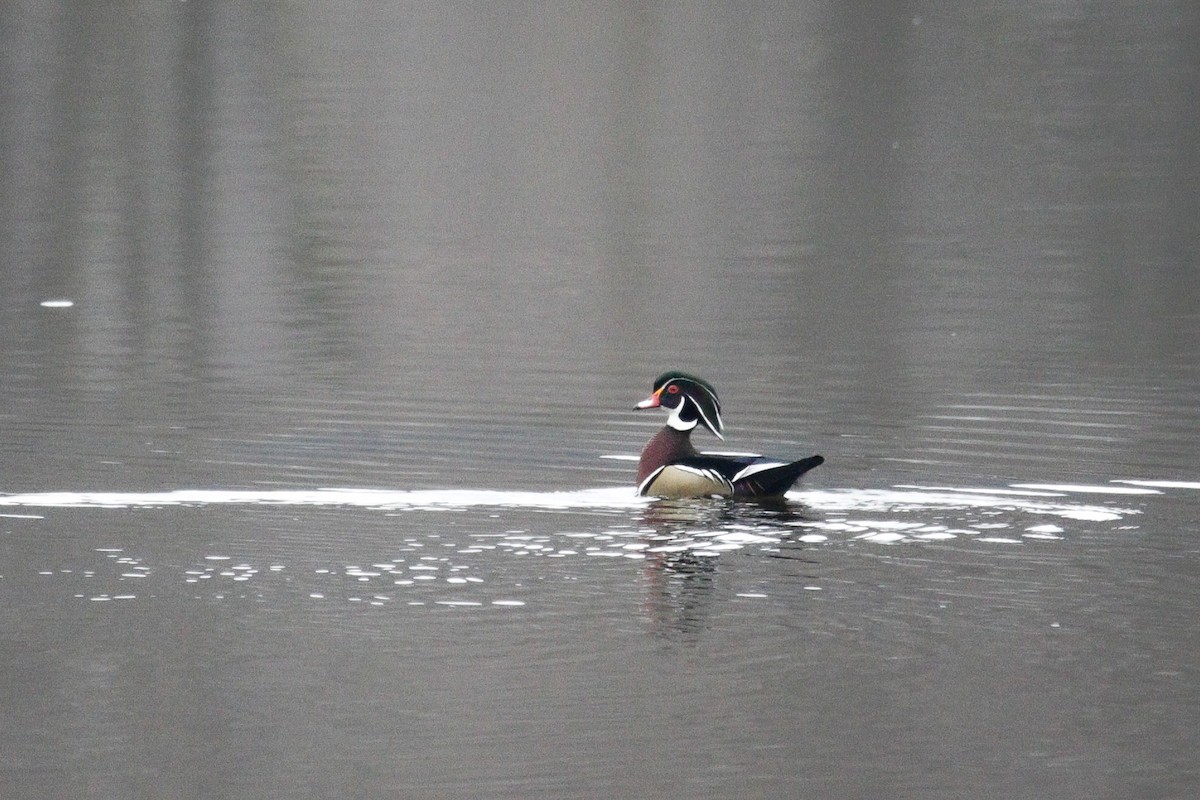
(726, 476)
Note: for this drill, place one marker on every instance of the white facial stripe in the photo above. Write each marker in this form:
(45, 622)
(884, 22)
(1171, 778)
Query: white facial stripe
(714, 422)
(716, 429)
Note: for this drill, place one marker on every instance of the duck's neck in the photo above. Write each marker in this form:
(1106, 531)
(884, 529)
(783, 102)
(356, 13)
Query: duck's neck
(667, 445)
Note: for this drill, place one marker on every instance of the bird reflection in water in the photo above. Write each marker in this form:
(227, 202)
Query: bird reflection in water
(680, 572)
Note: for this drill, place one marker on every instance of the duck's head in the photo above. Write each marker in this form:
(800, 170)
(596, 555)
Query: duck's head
(690, 400)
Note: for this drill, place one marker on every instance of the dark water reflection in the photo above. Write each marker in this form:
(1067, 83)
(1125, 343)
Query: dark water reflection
(428, 257)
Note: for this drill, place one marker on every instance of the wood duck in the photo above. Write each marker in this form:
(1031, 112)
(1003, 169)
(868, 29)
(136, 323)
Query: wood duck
(671, 467)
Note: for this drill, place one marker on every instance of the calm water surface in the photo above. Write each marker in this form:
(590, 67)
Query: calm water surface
(315, 482)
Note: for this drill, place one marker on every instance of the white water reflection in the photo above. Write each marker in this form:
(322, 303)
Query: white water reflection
(439, 570)
(1085, 488)
(464, 569)
(361, 498)
(901, 514)
(1023, 497)
(1164, 484)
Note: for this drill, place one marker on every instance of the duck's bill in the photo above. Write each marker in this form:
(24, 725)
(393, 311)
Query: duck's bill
(650, 402)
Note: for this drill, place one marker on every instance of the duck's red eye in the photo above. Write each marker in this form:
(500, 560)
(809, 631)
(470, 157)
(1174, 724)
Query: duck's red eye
(673, 389)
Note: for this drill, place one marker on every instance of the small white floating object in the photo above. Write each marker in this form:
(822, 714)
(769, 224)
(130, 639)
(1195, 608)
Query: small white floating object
(57, 302)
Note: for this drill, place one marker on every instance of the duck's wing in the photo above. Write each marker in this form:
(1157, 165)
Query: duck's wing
(707, 474)
(701, 475)
(769, 478)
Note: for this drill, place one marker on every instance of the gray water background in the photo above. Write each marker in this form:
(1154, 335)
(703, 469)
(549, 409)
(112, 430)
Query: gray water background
(446, 247)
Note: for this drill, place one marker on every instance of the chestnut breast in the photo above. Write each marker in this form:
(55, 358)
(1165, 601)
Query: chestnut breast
(667, 445)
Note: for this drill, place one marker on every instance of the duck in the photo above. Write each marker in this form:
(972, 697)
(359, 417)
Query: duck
(671, 467)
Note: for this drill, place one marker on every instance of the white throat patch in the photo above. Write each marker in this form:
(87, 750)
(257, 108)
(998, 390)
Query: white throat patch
(676, 422)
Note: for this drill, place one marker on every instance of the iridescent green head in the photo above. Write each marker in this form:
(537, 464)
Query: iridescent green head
(691, 401)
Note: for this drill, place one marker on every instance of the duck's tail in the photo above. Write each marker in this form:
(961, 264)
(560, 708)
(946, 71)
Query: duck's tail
(775, 480)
